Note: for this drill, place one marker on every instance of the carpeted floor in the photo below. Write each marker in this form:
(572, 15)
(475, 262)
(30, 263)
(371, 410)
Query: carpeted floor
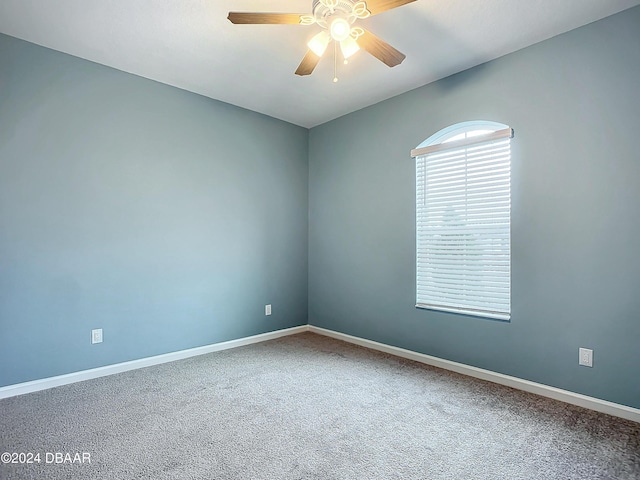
(308, 407)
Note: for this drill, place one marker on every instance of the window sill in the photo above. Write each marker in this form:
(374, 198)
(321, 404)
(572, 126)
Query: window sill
(475, 313)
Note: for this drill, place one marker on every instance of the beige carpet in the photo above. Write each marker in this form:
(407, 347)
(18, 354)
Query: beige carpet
(308, 407)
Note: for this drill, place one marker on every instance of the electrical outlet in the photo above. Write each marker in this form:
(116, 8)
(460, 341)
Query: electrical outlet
(267, 309)
(96, 335)
(585, 357)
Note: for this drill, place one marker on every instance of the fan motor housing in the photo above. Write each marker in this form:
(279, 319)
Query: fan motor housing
(342, 8)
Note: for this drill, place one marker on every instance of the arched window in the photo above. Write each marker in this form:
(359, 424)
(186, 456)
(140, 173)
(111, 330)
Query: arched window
(463, 217)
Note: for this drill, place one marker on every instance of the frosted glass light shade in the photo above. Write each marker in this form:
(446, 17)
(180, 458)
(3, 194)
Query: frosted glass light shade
(349, 46)
(340, 29)
(318, 44)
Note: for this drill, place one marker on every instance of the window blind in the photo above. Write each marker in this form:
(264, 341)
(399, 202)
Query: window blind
(463, 210)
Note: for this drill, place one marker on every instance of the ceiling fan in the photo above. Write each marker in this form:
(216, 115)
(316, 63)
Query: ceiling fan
(336, 18)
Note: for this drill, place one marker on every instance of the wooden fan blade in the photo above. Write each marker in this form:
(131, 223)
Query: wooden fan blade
(380, 49)
(379, 6)
(264, 18)
(307, 64)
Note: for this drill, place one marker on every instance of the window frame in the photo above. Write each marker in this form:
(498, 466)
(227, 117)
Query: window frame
(468, 290)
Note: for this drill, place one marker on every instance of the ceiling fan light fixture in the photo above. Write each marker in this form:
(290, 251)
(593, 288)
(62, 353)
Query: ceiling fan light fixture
(335, 18)
(318, 44)
(340, 29)
(349, 46)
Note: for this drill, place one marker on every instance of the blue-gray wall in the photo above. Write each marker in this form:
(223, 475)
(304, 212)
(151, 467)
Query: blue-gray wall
(169, 219)
(163, 217)
(574, 102)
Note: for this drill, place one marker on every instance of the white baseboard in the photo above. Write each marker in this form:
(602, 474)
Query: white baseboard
(43, 384)
(566, 396)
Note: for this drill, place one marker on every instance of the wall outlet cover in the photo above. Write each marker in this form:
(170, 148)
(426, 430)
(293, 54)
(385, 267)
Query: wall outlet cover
(585, 357)
(267, 309)
(96, 335)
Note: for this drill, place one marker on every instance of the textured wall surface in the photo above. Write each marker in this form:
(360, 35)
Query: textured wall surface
(163, 217)
(574, 105)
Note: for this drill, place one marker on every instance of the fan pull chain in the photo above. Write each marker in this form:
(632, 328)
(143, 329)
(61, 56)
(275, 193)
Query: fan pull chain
(335, 61)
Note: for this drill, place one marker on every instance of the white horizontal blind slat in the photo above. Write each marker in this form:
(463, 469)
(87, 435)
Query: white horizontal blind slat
(463, 233)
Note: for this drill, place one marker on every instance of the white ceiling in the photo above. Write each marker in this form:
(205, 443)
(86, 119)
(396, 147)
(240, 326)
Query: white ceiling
(190, 44)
